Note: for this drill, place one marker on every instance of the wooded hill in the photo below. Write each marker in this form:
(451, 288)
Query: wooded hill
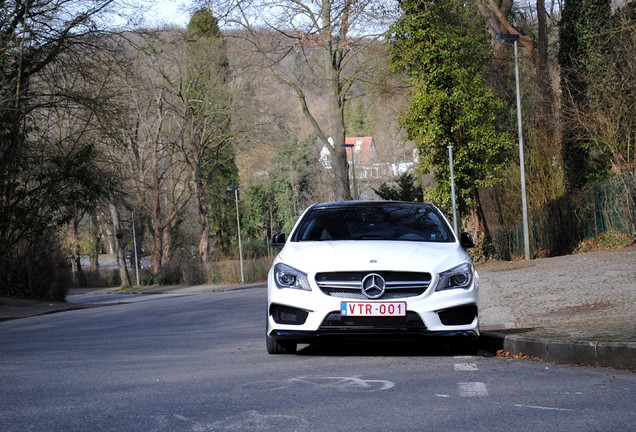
(104, 130)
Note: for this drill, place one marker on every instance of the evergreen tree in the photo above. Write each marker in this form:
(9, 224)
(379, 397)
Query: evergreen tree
(292, 174)
(207, 137)
(256, 219)
(405, 189)
(441, 45)
(356, 117)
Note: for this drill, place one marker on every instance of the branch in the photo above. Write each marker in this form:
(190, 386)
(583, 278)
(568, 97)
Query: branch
(524, 40)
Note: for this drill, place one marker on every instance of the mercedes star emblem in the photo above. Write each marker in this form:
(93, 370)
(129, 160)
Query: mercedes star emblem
(373, 285)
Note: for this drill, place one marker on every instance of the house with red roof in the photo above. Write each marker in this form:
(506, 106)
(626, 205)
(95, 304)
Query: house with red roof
(369, 171)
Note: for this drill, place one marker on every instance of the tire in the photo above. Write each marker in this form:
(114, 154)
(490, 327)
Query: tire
(279, 347)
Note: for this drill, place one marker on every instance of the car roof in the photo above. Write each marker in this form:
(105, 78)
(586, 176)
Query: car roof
(369, 203)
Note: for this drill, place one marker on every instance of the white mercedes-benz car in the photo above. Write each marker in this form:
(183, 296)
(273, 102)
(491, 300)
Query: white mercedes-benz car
(377, 269)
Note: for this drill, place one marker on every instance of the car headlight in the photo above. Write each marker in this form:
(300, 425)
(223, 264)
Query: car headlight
(457, 277)
(288, 277)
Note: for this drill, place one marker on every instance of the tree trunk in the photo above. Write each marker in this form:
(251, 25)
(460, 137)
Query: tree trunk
(95, 241)
(121, 261)
(485, 246)
(76, 261)
(112, 249)
(339, 165)
(481, 217)
(167, 243)
(202, 208)
(157, 247)
(340, 168)
(157, 231)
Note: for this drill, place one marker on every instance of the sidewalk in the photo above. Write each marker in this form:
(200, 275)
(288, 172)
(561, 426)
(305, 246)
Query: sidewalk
(577, 309)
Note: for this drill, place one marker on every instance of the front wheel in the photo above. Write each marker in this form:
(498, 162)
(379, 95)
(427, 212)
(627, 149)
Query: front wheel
(279, 347)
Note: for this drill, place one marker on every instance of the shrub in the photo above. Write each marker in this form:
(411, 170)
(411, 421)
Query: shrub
(35, 270)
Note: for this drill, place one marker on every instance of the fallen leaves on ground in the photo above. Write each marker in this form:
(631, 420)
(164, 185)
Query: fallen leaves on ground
(502, 353)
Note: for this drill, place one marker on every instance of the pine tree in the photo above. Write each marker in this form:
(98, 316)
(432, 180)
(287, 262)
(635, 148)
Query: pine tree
(405, 189)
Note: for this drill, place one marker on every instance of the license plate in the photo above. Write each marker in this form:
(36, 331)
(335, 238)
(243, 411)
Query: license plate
(373, 309)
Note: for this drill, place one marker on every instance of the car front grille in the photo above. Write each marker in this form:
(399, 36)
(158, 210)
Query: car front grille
(349, 284)
(334, 321)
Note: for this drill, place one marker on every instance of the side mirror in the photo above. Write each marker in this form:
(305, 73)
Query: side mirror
(279, 239)
(466, 240)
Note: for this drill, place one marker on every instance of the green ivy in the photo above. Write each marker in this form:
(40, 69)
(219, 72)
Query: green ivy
(442, 47)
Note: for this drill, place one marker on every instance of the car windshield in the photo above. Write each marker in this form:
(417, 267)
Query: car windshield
(408, 222)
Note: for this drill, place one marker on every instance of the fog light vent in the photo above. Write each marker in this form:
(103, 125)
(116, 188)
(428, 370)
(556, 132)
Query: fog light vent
(462, 315)
(288, 315)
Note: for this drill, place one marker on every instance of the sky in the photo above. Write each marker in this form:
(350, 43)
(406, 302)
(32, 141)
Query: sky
(168, 12)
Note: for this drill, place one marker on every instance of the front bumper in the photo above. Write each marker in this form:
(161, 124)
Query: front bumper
(292, 323)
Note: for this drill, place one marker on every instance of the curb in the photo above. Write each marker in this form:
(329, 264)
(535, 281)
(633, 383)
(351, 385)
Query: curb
(617, 355)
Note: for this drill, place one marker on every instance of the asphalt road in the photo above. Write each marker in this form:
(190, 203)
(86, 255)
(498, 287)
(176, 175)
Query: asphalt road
(197, 362)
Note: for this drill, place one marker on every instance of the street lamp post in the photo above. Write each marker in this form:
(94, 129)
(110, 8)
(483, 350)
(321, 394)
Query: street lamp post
(452, 180)
(238, 227)
(503, 38)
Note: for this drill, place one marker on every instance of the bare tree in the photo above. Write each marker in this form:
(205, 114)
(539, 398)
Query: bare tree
(121, 260)
(327, 37)
(147, 134)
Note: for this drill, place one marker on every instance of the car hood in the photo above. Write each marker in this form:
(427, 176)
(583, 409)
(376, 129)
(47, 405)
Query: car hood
(368, 255)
